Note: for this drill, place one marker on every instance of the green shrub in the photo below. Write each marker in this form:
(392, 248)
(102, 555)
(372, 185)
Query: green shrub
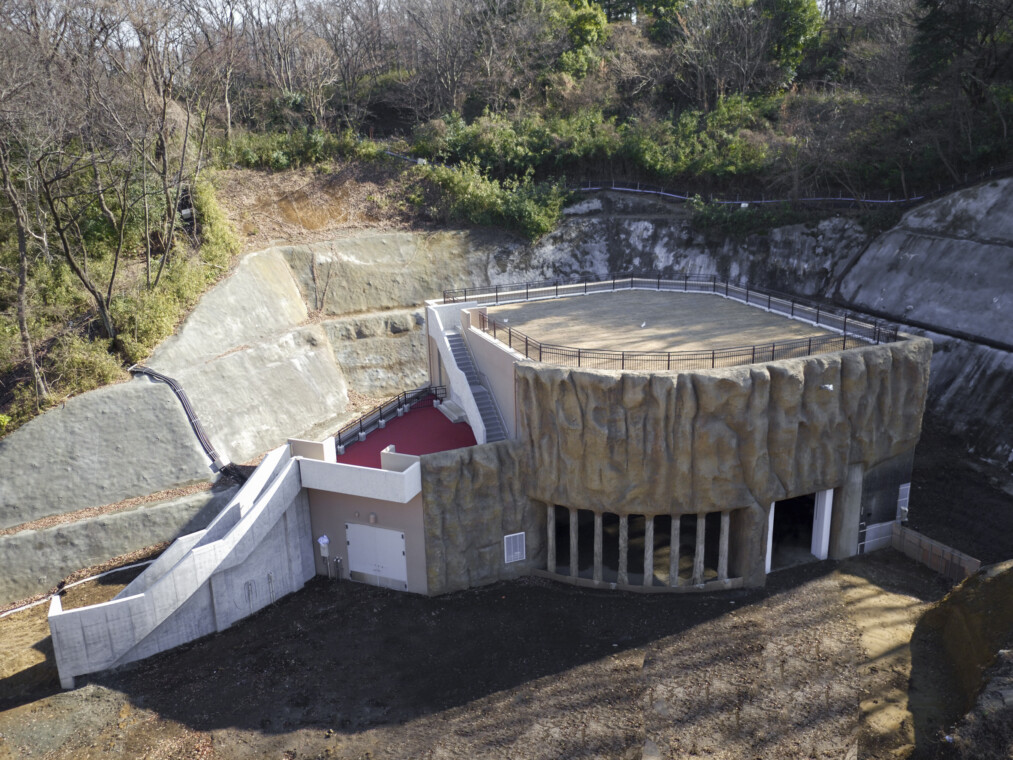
(147, 317)
(467, 194)
(74, 364)
(732, 220)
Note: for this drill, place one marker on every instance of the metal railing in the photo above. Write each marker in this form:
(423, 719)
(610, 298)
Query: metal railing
(392, 407)
(853, 330)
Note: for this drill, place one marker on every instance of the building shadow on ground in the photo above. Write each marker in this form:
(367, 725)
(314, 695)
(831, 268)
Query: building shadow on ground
(349, 657)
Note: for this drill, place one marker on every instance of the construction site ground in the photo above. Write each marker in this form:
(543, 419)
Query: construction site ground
(819, 664)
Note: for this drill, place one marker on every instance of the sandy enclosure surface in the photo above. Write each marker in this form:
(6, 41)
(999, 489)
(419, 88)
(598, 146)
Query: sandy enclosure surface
(671, 322)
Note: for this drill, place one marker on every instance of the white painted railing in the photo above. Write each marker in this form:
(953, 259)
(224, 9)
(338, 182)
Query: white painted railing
(457, 383)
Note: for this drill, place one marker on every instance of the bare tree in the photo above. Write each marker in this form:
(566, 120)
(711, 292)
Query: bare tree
(722, 50)
(438, 42)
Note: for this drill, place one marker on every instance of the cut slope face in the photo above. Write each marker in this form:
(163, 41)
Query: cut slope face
(948, 268)
(948, 263)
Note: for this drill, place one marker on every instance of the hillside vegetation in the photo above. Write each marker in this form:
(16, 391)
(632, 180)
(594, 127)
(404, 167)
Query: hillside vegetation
(114, 117)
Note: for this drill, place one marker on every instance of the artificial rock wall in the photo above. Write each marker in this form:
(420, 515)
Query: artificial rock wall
(627, 442)
(472, 498)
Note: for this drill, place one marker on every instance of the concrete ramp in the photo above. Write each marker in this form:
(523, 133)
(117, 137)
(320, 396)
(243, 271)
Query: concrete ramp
(258, 549)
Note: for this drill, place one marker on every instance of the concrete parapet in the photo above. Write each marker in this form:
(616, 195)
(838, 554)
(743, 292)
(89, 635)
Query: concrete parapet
(258, 549)
(944, 560)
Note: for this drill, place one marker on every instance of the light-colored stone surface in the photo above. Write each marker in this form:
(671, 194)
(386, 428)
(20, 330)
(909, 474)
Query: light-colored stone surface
(622, 233)
(378, 271)
(948, 263)
(36, 560)
(256, 302)
(261, 396)
(99, 448)
(381, 354)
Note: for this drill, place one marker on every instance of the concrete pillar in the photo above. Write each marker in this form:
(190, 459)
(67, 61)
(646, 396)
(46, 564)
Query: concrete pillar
(820, 547)
(574, 569)
(847, 514)
(701, 528)
(550, 521)
(649, 550)
(597, 547)
(673, 552)
(723, 547)
(624, 548)
(770, 538)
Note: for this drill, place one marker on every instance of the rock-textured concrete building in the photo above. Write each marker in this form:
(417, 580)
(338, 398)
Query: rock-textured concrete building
(691, 438)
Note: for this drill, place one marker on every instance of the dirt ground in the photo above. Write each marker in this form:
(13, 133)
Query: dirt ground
(671, 322)
(527, 669)
(819, 664)
(307, 205)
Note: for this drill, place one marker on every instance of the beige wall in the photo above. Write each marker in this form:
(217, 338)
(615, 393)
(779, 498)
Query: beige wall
(330, 511)
(495, 362)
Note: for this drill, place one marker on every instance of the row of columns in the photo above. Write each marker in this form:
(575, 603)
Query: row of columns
(624, 535)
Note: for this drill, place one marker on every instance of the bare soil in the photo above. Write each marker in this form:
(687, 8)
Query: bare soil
(304, 206)
(822, 663)
(527, 669)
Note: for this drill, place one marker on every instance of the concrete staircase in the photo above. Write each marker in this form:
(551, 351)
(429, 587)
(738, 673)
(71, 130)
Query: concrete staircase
(494, 430)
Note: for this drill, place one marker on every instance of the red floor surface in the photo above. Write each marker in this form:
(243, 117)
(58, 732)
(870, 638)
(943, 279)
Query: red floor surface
(420, 431)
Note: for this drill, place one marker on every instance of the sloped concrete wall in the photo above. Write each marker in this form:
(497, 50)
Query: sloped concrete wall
(225, 575)
(36, 560)
(114, 443)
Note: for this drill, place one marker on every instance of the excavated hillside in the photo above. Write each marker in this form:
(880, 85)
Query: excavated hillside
(305, 335)
(319, 320)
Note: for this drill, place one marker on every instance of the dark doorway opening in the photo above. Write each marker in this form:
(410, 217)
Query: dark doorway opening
(792, 533)
(562, 541)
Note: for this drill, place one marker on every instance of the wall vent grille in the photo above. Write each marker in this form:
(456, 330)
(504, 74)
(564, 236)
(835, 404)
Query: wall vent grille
(513, 548)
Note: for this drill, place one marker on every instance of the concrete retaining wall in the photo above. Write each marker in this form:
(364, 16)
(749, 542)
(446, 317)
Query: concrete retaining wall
(257, 550)
(34, 561)
(944, 560)
(115, 443)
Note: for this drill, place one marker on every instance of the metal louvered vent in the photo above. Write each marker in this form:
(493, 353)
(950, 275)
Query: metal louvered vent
(513, 548)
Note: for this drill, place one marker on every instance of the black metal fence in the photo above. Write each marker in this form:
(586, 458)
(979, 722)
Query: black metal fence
(404, 401)
(853, 330)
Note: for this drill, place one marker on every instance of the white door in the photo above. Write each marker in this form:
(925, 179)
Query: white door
(376, 552)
